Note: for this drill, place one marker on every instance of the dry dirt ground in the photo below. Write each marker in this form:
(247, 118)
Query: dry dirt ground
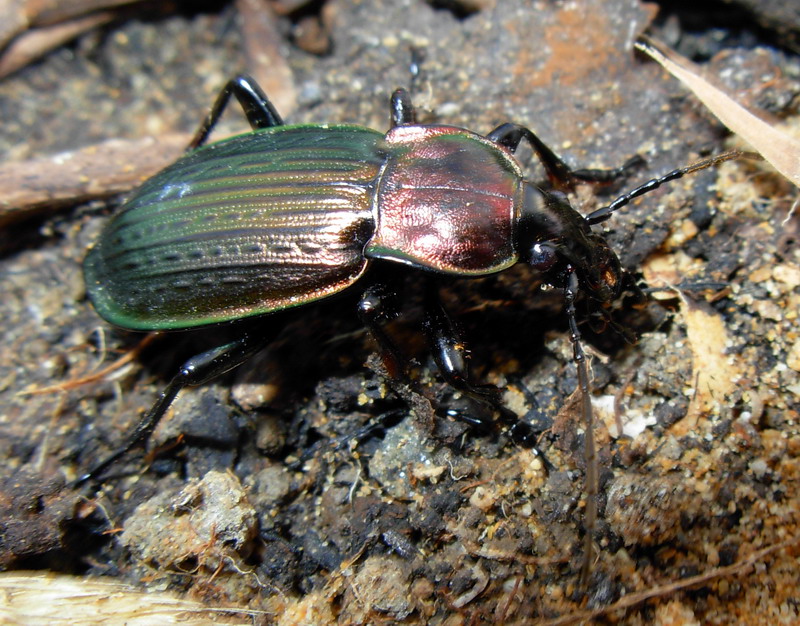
(276, 500)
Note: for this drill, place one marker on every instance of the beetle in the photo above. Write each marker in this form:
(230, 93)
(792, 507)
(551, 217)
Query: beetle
(287, 215)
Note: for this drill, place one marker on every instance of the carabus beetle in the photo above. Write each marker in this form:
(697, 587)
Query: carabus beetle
(289, 214)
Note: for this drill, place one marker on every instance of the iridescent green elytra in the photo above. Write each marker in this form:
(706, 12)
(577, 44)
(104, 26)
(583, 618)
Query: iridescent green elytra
(245, 226)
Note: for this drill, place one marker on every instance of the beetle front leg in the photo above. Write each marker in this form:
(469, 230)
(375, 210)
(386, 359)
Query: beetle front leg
(373, 309)
(558, 172)
(452, 358)
(196, 371)
(449, 351)
(259, 111)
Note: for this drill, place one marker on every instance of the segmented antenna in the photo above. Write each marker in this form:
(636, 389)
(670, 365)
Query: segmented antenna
(602, 214)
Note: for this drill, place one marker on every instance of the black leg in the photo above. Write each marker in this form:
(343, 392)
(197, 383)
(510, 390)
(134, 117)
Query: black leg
(558, 173)
(377, 305)
(256, 106)
(449, 351)
(196, 371)
(510, 135)
(376, 427)
(402, 108)
(452, 358)
(605, 177)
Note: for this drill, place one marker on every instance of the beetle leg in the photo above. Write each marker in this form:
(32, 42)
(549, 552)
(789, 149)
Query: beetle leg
(558, 173)
(259, 111)
(449, 351)
(373, 308)
(591, 486)
(510, 135)
(196, 371)
(452, 358)
(402, 108)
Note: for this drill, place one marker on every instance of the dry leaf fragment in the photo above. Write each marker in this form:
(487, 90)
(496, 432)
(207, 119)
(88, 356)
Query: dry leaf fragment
(781, 150)
(46, 598)
(714, 372)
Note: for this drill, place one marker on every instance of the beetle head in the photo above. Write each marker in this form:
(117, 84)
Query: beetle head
(555, 237)
(601, 272)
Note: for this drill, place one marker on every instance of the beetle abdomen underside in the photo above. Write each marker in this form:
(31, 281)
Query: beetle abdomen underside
(245, 226)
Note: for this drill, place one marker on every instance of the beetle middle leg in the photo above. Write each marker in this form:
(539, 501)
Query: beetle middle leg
(377, 305)
(196, 371)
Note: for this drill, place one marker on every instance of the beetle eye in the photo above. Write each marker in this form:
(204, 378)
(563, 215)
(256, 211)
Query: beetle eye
(542, 257)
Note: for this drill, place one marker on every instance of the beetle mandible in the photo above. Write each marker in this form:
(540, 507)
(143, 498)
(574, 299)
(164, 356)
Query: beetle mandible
(289, 214)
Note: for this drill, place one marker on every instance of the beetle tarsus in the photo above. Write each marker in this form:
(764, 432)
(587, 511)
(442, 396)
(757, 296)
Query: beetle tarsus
(141, 432)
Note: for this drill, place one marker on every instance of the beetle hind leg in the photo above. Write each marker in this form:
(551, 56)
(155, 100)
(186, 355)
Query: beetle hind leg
(259, 111)
(196, 371)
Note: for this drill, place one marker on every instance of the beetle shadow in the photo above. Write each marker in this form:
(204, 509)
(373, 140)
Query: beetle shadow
(315, 361)
(512, 326)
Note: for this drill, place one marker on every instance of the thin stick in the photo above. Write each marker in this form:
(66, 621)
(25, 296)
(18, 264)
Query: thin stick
(41, 186)
(635, 599)
(94, 376)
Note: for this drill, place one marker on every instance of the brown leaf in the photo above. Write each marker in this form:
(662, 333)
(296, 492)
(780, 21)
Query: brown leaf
(714, 372)
(778, 148)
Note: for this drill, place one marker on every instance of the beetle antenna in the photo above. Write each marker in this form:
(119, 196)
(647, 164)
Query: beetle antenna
(591, 486)
(602, 214)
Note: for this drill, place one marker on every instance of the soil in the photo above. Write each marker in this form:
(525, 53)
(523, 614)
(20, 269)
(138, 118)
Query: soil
(309, 487)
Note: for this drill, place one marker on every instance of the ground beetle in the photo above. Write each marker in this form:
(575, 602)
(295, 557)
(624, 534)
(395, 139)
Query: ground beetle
(289, 214)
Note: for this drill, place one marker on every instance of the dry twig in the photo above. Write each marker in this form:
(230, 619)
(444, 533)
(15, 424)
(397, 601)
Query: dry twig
(39, 186)
(635, 599)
